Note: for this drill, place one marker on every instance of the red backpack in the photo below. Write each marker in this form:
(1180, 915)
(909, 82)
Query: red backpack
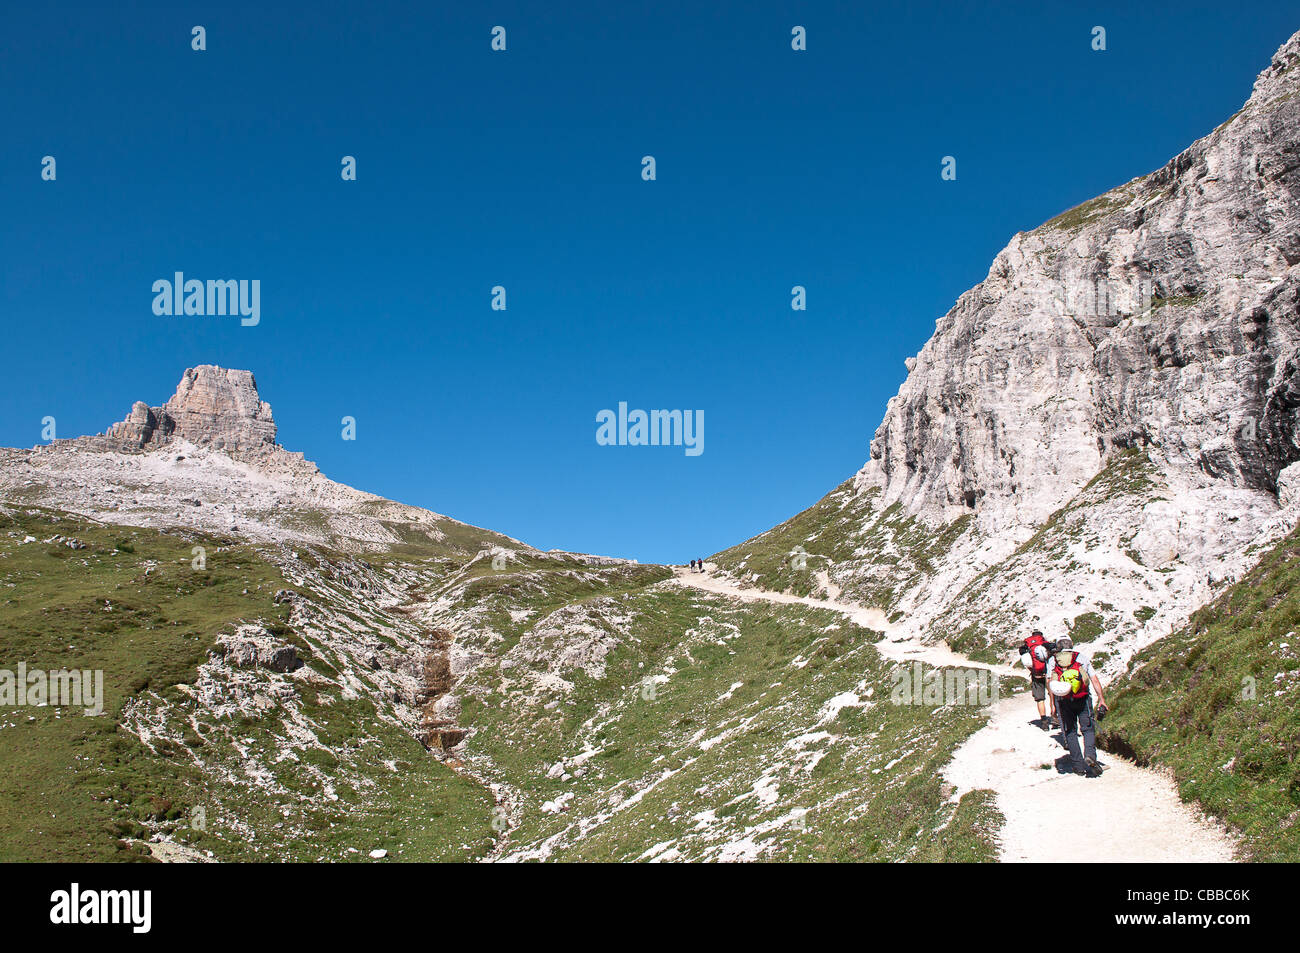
(1039, 668)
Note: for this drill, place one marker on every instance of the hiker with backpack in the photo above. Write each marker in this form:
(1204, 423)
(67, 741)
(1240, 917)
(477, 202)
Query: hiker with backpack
(1034, 653)
(1073, 684)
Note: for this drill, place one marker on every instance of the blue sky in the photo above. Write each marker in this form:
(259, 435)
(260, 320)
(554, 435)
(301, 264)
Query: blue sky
(522, 169)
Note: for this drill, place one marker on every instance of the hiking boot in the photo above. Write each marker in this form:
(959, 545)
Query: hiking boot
(1093, 770)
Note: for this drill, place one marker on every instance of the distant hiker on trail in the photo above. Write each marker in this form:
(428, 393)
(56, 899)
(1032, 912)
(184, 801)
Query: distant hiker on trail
(1071, 682)
(692, 565)
(1034, 653)
(700, 563)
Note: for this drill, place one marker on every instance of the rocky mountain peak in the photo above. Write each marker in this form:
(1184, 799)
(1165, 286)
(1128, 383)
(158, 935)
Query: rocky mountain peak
(1163, 315)
(1281, 74)
(220, 407)
(213, 407)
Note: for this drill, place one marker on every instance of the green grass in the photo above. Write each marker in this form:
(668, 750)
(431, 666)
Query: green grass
(99, 608)
(650, 772)
(1091, 210)
(442, 538)
(130, 604)
(1207, 703)
(888, 551)
(1086, 628)
(1176, 301)
(312, 772)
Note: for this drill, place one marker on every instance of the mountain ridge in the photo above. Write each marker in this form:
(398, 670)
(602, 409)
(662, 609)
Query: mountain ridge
(208, 459)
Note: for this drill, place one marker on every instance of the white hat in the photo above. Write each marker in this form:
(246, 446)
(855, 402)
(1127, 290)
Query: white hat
(1059, 689)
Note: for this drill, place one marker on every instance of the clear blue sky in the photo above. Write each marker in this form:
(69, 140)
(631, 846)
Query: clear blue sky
(522, 168)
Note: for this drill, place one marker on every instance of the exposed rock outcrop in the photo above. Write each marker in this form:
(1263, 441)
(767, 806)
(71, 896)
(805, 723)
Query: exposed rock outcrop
(208, 459)
(254, 647)
(1101, 429)
(1163, 314)
(214, 407)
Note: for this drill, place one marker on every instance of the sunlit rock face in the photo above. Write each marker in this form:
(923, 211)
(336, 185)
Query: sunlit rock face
(214, 407)
(1162, 314)
(1096, 439)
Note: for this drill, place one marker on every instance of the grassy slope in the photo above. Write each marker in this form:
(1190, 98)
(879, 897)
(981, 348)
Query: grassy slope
(79, 788)
(734, 744)
(451, 539)
(877, 554)
(888, 551)
(82, 788)
(1187, 705)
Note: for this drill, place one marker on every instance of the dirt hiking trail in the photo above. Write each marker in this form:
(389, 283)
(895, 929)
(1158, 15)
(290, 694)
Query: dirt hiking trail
(1129, 814)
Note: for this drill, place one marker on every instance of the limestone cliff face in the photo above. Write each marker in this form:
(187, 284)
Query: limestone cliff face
(1164, 314)
(221, 407)
(213, 407)
(1097, 436)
